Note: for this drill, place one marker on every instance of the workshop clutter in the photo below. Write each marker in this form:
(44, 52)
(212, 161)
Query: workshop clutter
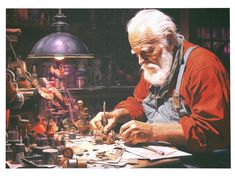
(60, 135)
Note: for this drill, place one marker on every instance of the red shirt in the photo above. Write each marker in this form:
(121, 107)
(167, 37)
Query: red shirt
(205, 89)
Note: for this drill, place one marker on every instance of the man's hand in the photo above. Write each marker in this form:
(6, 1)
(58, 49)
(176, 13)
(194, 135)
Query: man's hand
(134, 132)
(96, 122)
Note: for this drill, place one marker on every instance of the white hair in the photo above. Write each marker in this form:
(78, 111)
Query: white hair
(159, 23)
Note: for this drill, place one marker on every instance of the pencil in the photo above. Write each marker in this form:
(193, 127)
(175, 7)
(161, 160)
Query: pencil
(154, 150)
(104, 119)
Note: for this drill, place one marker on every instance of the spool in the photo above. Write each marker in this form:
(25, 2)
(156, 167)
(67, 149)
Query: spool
(72, 163)
(82, 163)
(23, 126)
(18, 153)
(13, 135)
(77, 163)
(68, 152)
(50, 156)
(9, 152)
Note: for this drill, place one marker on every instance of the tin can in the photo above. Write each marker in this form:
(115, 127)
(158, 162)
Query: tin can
(18, 153)
(9, 152)
(50, 156)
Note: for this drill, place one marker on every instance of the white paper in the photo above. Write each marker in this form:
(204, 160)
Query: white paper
(151, 155)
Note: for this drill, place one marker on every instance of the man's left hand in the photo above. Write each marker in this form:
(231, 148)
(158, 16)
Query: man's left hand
(134, 132)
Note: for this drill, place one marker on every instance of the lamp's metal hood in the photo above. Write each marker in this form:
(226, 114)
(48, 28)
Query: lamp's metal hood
(60, 44)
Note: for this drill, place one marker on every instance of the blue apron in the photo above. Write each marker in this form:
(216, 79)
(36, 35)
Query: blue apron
(164, 108)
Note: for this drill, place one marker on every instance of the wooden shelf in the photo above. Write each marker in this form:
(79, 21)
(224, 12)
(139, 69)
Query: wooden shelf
(91, 92)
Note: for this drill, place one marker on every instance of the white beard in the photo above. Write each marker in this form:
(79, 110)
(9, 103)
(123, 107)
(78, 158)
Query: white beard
(157, 74)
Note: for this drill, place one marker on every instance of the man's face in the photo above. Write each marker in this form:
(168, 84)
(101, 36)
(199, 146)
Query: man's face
(153, 57)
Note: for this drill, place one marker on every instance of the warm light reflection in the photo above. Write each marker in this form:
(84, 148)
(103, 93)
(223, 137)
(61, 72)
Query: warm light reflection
(59, 57)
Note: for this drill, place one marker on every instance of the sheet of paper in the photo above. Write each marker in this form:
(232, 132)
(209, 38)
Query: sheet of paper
(166, 152)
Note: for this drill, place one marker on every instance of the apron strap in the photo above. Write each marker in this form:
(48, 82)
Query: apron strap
(182, 67)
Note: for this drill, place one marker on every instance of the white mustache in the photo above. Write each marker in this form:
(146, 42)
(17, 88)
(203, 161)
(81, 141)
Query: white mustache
(150, 67)
(157, 74)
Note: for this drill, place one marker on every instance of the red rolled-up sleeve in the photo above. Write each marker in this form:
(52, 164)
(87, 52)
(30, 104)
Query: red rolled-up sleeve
(208, 127)
(134, 103)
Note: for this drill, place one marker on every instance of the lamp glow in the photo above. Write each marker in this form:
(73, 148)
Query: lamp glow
(59, 57)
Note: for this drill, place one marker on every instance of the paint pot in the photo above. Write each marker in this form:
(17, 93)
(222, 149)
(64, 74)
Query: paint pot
(18, 153)
(50, 156)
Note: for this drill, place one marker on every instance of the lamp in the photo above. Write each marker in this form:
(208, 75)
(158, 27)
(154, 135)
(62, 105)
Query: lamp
(60, 44)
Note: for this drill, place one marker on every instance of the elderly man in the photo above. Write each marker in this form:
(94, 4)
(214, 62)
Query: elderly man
(183, 96)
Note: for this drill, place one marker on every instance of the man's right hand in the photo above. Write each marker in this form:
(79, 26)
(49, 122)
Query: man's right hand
(96, 122)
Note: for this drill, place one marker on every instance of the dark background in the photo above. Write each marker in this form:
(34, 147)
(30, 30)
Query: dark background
(104, 32)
